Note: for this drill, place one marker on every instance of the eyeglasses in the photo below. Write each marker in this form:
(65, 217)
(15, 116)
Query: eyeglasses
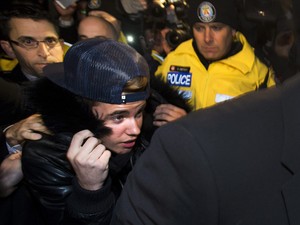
(30, 43)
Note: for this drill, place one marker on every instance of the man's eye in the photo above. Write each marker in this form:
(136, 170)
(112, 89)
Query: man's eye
(51, 41)
(118, 118)
(139, 114)
(216, 28)
(199, 28)
(28, 42)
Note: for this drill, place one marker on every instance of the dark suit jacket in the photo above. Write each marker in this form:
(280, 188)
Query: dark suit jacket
(15, 76)
(237, 163)
(11, 96)
(18, 208)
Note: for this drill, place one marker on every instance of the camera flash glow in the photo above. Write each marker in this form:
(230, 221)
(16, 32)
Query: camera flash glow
(130, 38)
(261, 13)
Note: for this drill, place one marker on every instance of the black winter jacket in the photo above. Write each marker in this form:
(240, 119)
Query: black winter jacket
(47, 172)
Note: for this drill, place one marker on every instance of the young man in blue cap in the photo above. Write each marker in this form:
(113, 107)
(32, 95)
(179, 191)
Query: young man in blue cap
(98, 94)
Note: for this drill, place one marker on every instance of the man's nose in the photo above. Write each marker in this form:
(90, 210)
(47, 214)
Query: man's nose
(208, 35)
(133, 127)
(43, 50)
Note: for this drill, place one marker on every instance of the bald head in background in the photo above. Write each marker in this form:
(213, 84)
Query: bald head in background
(93, 26)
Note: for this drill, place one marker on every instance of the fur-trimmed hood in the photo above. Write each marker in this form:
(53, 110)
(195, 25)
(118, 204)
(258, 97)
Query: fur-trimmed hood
(61, 110)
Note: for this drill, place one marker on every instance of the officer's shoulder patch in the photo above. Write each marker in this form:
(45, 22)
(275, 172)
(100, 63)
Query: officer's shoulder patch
(180, 68)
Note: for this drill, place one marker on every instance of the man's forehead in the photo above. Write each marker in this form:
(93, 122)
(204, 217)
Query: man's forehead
(210, 24)
(115, 108)
(32, 28)
(106, 110)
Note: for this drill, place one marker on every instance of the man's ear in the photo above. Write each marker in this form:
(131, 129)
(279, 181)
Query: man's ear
(233, 32)
(6, 46)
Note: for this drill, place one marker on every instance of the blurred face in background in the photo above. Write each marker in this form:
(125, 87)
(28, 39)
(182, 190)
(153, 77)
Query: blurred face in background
(92, 27)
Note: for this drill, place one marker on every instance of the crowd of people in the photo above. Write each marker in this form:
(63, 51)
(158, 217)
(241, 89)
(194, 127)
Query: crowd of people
(96, 130)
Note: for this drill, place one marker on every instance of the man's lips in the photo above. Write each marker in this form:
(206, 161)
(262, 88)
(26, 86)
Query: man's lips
(209, 49)
(128, 144)
(41, 64)
(45, 63)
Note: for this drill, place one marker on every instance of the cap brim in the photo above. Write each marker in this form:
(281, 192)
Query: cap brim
(55, 73)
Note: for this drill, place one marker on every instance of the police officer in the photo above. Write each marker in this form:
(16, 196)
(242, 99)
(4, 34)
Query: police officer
(218, 63)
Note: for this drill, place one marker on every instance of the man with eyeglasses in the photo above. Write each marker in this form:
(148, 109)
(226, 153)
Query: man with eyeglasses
(29, 35)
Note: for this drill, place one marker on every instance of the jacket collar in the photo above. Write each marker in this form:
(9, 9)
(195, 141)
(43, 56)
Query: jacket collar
(235, 48)
(16, 75)
(241, 55)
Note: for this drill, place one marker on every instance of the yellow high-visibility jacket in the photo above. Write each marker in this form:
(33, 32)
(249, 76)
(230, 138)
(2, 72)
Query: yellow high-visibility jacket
(223, 80)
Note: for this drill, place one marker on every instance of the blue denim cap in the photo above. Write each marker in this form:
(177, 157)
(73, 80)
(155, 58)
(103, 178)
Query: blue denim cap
(98, 69)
